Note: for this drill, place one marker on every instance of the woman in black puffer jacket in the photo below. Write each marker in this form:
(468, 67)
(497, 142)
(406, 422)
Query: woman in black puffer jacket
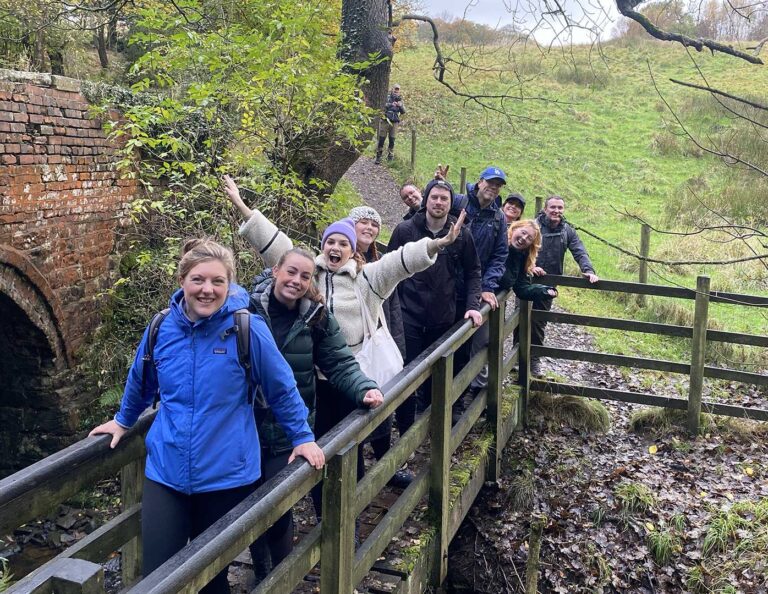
(308, 337)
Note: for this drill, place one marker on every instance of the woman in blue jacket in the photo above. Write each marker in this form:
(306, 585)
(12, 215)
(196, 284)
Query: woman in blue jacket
(203, 454)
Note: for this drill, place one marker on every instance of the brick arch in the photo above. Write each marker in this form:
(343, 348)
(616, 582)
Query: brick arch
(22, 282)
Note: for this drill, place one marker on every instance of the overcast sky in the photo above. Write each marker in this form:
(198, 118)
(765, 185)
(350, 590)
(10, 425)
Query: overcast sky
(497, 13)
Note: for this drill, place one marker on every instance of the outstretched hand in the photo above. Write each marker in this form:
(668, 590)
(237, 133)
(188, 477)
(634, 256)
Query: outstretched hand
(441, 172)
(233, 194)
(453, 232)
(311, 452)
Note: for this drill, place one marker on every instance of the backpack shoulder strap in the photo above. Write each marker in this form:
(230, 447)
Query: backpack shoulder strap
(243, 336)
(149, 352)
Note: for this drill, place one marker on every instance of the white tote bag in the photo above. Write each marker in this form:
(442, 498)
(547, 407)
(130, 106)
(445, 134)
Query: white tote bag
(379, 359)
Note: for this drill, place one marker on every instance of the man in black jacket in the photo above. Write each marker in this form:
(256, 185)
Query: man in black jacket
(428, 299)
(557, 237)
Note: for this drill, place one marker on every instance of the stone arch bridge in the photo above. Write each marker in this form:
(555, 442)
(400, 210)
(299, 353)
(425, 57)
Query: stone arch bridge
(62, 205)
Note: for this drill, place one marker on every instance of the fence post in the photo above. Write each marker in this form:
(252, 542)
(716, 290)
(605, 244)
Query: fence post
(131, 486)
(413, 150)
(698, 352)
(524, 360)
(495, 364)
(463, 181)
(539, 204)
(440, 467)
(645, 247)
(337, 556)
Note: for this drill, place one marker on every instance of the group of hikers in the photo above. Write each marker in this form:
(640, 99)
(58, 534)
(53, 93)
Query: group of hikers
(246, 382)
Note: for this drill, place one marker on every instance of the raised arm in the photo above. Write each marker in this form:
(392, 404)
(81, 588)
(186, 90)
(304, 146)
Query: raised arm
(261, 233)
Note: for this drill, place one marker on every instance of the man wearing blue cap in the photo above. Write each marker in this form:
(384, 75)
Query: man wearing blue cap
(488, 226)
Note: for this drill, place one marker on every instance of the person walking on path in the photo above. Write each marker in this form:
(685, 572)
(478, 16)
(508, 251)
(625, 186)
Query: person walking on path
(203, 452)
(558, 236)
(433, 300)
(309, 337)
(388, 124)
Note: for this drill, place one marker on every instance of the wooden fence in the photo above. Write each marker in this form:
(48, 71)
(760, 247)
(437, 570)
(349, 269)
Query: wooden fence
(37, 490)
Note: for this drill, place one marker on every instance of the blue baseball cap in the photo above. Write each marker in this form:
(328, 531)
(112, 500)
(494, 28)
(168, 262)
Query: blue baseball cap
(493, 173)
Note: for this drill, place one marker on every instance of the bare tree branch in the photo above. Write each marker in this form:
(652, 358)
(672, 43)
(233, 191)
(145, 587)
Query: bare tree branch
(627, 8)
(721, 93)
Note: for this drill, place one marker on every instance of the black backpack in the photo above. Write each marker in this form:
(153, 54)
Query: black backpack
(242, 329)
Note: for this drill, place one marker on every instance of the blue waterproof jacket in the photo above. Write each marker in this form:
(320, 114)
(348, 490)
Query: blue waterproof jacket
(204, 436)
(489, 230)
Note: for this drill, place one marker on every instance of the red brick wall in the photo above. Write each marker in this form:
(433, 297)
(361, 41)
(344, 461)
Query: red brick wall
(62, 201)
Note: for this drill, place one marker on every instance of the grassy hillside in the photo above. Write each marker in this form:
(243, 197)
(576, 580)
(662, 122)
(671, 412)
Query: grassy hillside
(600, 136)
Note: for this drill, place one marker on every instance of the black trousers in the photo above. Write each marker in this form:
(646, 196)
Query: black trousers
(277, 542)
(169, 519)
(331, 409)
(417, 338)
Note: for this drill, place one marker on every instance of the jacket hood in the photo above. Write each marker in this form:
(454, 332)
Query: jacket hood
(428, 188)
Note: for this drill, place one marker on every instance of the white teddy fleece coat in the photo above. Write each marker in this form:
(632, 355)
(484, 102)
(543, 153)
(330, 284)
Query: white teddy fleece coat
(375, 282)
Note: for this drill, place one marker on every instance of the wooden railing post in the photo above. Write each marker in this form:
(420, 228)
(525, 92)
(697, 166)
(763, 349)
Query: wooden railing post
(463, 181)
(131, 489)
(645, 248)
(413, 150)
(440, 467)
(698, 353)
(337, 555)
(539, 204)
(524, 360)
(495, 365)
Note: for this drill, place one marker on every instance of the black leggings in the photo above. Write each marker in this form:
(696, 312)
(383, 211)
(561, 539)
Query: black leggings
(169, 519)
(278, 539)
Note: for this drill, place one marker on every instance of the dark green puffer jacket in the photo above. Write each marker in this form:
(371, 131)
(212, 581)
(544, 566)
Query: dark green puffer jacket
(309, 343)
(516, 278)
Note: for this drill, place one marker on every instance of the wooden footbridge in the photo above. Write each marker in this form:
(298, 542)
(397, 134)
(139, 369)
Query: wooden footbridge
(40, 488)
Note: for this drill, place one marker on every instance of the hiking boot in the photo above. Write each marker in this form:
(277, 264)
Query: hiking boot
(401, 479)
(390, 157)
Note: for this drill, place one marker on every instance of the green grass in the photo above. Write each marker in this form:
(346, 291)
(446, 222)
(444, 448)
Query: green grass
(634, 497)
(603, 142)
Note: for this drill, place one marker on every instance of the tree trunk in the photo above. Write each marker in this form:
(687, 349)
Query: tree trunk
(364, 29)
(101, 47)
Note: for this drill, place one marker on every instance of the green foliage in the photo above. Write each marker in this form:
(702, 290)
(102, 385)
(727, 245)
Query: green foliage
(663, 544)
(6, 578)
(579, 413)
(634, 497)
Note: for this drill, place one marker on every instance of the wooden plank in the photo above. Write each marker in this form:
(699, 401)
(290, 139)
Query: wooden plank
(617, 286)
(337, 552)
(291, 570)
(34, 491)
(467, 374)
(389, 526)
(524, 360)
(495, 378)
(607, 394)
(131, 489)
(614, 323)
(377, 475)
(698, 353)
(645, 248)
(654, 364)
(738, 338)
(439, 478)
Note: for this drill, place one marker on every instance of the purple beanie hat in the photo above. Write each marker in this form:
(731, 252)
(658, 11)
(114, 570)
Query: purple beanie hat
(346, 227)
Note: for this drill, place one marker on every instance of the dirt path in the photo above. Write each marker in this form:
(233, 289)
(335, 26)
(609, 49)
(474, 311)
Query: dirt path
(378, 189)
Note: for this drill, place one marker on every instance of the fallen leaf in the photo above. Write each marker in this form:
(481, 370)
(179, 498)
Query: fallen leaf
(749, 471)
(653, 449)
